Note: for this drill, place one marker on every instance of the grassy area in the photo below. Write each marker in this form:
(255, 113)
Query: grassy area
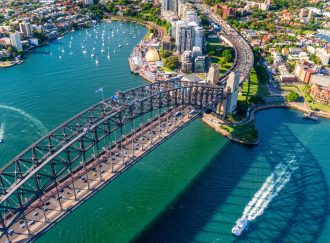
(148, 36)
(202, 75)
(308, 32)
(213, 44)
(246, 132)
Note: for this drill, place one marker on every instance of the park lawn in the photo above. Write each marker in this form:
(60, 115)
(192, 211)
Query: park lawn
(148, 36)
(201, 75)
(319, 106)
(246, 132)
(258, 83)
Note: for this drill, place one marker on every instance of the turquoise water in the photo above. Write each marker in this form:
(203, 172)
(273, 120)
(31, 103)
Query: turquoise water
(192, 188)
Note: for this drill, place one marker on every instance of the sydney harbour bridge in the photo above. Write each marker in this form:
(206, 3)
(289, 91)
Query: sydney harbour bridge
(60, 171)
(69, 164)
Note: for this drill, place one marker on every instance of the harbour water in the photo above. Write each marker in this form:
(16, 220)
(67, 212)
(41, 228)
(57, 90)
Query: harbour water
(192, 188)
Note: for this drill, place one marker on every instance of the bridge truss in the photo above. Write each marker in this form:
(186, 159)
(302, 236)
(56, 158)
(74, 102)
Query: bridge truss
(71, 147)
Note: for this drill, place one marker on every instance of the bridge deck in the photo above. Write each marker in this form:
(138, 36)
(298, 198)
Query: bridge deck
(77, 188)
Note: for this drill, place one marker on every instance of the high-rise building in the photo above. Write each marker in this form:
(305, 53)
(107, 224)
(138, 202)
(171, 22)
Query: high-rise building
(183, 36)
(192, 16)
(186, 62)
(199, 64)
(199, 37)
(170, 5)
(15, 41)
(232, 92)
(89, 2)
(25, 28)
(197, 51)
(213, 74)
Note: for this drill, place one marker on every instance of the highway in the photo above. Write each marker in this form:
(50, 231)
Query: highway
(244, 55)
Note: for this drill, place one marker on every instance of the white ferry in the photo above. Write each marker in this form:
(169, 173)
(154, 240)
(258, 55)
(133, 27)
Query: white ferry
(241, 225)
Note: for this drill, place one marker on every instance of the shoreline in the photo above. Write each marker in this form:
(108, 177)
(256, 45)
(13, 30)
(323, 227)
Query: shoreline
(216, 123)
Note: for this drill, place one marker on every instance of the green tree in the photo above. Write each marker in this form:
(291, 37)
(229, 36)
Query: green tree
(171, 62)
(292, 96)
(227, 55)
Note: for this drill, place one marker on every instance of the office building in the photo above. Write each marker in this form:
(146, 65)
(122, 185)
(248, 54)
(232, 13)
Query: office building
(199, 64)
(170, 5)
(183, 36)
(186, 62)
(15, 41)
(198, 37)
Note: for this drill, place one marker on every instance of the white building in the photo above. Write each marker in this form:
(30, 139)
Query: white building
(15, 41)
(192, 16)
(183, 37)
(25, 28)
(324, 55)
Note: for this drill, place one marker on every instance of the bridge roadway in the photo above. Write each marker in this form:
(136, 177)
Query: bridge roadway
(244, 56)
(67, 166)
(75, 189)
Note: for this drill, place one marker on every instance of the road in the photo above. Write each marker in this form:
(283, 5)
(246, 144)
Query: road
(244, 55)
(83, 183)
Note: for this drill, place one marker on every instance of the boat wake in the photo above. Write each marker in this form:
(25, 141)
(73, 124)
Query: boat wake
(270, 189)
(42, 129)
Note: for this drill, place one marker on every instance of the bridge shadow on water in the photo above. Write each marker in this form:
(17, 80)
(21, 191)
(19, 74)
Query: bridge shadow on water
(202, 212)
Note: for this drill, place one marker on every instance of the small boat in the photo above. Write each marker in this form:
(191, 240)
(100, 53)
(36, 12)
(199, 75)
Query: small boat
(241, 225)
(2, 131)
(119, 46)
(92, 55)
(60, 57)
(84, 51)
(108, 56)
(97, 61)
(71, 53)
(310, 116)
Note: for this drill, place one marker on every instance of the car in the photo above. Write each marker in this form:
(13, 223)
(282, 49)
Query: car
(35, 214)
(178, 113)
(10, 232)
(31, 222)
(44, 209)
(22, 226)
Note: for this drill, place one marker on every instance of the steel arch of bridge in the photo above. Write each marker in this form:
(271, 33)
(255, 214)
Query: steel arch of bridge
(72, 145)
